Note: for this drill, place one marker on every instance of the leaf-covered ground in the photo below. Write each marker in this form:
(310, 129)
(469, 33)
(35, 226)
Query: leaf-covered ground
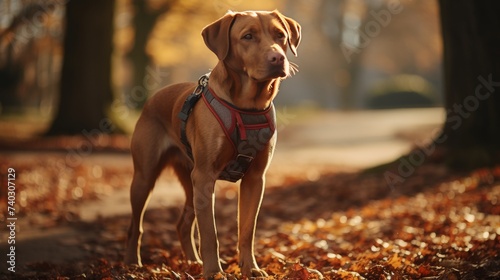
(435, 225)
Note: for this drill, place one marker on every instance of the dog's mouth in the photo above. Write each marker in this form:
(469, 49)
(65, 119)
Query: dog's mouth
(279, 73)
(284, 71)
(287, 69)
(271, 75)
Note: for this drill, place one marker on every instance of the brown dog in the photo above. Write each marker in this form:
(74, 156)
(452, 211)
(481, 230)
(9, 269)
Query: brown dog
(251, 48)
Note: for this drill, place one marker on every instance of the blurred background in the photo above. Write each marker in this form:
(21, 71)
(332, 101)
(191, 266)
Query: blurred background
(354, 55)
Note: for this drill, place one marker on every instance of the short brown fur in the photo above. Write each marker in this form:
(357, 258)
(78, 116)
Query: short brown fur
(251, 47)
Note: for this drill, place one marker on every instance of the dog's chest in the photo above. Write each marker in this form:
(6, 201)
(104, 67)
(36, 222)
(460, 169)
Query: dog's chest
(248, 131)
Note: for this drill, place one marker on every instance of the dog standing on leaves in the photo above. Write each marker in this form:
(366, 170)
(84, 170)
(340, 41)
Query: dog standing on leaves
(251, 48)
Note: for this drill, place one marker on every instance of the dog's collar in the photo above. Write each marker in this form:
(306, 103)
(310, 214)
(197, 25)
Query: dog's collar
(249, 131)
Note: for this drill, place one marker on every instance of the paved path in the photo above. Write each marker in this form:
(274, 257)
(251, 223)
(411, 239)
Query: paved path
(356, 139)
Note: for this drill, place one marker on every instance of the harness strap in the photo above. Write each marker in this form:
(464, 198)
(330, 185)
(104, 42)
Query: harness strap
(184, 115)
(248, 131)
(186, 109)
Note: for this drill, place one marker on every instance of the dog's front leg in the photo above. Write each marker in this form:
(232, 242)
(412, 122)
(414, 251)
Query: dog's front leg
(203, 196)
(250, 198)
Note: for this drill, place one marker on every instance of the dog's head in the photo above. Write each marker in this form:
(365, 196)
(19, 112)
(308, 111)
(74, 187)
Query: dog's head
(254, 43)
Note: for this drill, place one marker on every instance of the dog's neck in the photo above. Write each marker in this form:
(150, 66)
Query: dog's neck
(242, 91)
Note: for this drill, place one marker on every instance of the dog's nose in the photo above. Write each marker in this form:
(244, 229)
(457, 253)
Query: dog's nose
(276, 58)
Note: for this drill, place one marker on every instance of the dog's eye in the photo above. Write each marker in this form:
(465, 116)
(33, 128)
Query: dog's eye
(248, 36)
(281, 35)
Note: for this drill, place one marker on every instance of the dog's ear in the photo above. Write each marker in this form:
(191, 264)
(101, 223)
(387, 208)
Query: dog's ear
(293, 29)
(216, 35)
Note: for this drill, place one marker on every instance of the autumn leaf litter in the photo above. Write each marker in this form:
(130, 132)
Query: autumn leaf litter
(435, 225)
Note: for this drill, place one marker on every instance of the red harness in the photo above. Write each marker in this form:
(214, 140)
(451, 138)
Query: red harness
(249, 131)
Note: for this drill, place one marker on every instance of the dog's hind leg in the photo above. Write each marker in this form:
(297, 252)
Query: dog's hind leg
(149, 151)
(186, 224)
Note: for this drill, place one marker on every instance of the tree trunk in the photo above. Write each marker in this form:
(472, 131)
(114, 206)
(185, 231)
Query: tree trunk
(144, 22)
(85, 87)
(471, 133)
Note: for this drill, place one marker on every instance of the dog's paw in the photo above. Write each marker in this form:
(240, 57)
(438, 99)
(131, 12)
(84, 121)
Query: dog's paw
(253, 272)
(257, 272)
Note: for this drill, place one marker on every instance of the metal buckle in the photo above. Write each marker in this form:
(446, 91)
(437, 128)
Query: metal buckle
(202, 84)
(234, 174)
(203, 81)
(247, 159)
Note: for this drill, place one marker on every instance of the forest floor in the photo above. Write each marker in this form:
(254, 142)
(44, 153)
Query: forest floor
(323, 215)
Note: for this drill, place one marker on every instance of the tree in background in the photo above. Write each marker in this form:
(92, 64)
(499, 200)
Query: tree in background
(342, 31)
(374, 42)
(85, 86)
(20, 52)
(145, 18)
(471, 133)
